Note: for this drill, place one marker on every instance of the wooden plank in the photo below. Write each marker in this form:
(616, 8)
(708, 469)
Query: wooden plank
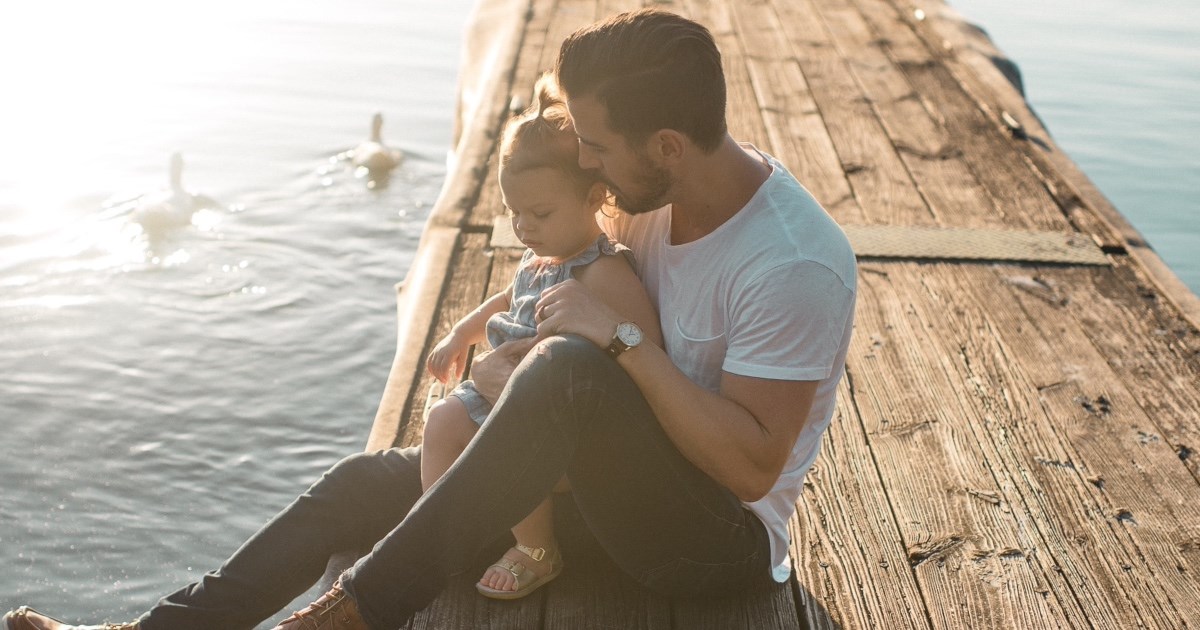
(461, 606)
(465, 289)
(1137, 477)
(772, 607)
(609, 8)
(520, 93)
(568, 16)
(850, 559)
(416, 310)
(882, 185)
(953, 194)
(1032, 442)
(987, 147)
(972, 541)
(970, 59)
(741, 107)
(478, 135)
(1085, 204)
(794, 125)
(599, 595)
(1145, 341)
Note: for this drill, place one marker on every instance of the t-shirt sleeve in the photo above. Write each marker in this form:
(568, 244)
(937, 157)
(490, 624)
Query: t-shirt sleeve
(788, 323)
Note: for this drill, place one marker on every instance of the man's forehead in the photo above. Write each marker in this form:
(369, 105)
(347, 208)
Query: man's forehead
(588, 115)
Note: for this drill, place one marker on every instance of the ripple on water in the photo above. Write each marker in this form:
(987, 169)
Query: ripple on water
(163, 397)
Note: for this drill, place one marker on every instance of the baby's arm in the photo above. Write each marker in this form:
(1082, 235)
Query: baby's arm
(449, 357)
(613, 281)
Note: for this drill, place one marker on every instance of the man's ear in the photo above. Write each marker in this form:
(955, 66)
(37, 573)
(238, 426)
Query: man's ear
(668, 145)
(597, 195)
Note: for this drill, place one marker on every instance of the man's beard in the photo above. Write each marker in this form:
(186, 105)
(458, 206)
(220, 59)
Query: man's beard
(653, 182)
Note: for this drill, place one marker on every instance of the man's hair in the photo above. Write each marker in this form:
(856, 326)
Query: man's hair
(651, 70)
(542, 137)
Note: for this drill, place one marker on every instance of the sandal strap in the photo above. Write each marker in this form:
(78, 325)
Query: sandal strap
(515, 568)
(536, 553)
(518, 568)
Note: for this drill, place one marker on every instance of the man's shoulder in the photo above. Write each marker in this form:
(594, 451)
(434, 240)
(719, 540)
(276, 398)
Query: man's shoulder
(789, 227)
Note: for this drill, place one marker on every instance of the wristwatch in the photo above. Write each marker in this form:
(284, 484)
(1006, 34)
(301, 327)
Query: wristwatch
(628, 336)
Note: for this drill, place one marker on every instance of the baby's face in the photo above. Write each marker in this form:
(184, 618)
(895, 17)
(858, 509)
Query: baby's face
(547, 211)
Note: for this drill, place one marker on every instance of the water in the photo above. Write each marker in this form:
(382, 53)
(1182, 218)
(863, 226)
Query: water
(159, 402)
(1117, 83)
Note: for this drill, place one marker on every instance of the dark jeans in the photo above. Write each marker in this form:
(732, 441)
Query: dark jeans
(568, 409)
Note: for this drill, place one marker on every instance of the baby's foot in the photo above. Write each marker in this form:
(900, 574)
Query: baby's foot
(521, 570)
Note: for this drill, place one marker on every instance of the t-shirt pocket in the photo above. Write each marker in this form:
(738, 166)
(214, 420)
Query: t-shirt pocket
(698, 352)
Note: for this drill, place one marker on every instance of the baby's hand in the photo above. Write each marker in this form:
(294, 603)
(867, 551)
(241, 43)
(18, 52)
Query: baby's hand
(448, 358)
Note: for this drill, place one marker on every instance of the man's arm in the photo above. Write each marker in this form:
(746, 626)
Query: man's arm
(740, 436)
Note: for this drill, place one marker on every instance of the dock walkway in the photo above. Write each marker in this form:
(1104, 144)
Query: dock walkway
(1017, 433)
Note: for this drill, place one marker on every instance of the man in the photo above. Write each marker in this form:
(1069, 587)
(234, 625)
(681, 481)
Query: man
(685, 462)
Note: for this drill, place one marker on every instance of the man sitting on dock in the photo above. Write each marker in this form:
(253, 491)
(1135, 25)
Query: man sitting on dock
(685, 462)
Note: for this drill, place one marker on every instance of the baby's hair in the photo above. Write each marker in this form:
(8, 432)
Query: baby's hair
(542, 137)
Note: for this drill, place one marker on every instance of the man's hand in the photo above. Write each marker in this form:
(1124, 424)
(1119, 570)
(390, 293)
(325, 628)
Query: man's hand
(491, 370)
(569, 307)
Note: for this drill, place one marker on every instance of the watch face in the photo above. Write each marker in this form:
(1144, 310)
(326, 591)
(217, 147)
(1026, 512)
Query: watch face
(629, 333)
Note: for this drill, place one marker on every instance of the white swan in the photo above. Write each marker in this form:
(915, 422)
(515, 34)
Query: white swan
(373, 154)
(172, 208)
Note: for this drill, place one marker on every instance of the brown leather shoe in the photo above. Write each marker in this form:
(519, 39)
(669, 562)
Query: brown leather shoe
(335, 610)
(26, 618)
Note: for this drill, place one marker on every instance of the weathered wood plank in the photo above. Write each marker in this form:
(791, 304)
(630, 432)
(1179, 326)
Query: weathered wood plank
(1087, 208)
(953, 194)
(461, 606)
(599, 595)
(882, 185)
(520, 93)
(1136, 477)
(1016, 191)
(608, 8)
(1014, 445)
(971, 543)
(968, 58)
(770, 608)
(1033, 442)
(464, 291)
(1143, 339)
(567, 17)
(794, 125)
(848, 552)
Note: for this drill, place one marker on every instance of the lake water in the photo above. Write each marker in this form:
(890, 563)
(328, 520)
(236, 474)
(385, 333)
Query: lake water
(159, 401)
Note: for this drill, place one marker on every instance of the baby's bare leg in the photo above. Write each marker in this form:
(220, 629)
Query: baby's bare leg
(448, 430)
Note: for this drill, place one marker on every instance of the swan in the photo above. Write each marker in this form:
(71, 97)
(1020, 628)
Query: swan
(373, 154)
(171, 208)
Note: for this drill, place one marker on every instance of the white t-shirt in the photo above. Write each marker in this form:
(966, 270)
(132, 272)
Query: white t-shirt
(768, 294)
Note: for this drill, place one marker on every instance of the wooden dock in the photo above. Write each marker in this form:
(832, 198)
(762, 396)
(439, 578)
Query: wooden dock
(1017, 433)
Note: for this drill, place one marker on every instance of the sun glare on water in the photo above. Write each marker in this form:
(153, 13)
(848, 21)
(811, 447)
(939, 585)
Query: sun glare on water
(85, 85)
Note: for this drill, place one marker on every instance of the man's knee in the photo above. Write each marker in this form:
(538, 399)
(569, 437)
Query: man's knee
(354, 470)
(378, 469)
(563, 354)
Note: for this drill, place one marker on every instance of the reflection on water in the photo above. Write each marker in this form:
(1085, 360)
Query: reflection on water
(181, 357)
